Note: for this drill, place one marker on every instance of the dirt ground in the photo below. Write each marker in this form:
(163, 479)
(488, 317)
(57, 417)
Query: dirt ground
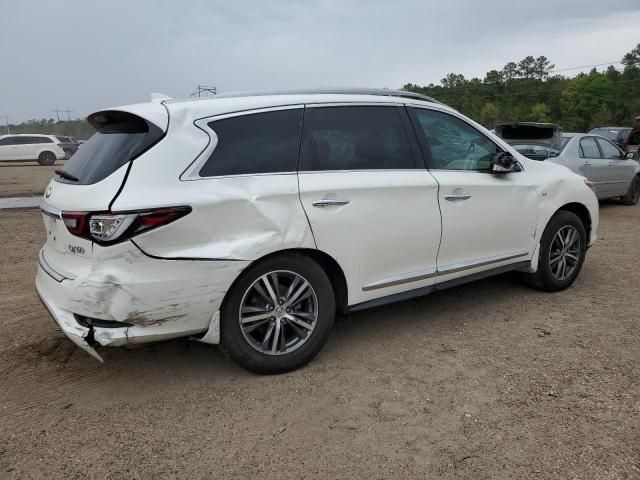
(487, 380)
(21, 179)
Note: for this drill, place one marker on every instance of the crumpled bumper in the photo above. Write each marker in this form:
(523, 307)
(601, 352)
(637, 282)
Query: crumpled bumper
(70, 327)
(113, 304)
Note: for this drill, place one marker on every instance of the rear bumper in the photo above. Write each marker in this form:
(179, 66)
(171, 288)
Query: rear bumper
(153, 299)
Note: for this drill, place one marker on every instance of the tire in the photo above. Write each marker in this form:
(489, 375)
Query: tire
(47, 158)
(633, 194)
(549, 276)
(304, 324)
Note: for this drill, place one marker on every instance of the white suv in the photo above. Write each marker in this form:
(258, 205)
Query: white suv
(44, 149)
(250, 220)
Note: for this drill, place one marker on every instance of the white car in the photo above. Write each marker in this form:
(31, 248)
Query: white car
(250, 220)
(44, 149)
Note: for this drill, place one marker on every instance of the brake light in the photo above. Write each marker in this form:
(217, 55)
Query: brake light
(61, 145)
(111, 227)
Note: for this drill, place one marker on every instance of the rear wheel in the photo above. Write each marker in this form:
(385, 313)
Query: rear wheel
(562, 252)
(278, 314)
(47, 158)
(633, 194)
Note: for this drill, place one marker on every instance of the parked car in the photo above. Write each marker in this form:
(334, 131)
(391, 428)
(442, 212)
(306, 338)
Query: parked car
(225, 220)
(69, 145)
(632, 143)
(617, 135)
(613, 173)
(599, 160)
(538, 141)
(44, 149)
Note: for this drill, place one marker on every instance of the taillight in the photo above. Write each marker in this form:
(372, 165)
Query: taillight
(113, 227)
(76, 222)
(61, 145)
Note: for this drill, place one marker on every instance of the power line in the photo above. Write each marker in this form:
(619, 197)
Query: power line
(204, 89)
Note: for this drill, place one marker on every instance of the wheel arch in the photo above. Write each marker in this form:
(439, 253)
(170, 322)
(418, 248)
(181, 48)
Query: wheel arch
(581, 211)
(330, 266)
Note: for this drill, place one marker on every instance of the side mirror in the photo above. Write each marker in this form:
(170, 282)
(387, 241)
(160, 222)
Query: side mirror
(630, 156)
(503, 162)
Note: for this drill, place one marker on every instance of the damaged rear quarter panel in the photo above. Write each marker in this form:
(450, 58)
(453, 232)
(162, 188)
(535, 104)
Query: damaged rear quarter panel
(240, 217)
(125, 285)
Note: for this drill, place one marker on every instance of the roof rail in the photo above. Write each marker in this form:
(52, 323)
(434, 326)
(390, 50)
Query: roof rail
(333, 91)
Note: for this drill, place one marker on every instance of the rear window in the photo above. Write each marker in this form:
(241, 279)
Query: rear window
(530, 132)
(536, 152)
(119, 138)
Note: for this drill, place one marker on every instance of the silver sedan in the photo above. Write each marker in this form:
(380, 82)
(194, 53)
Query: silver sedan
(614, 174)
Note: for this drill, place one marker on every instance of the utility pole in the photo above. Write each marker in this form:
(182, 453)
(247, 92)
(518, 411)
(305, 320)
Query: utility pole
(6, 119)
(68, 112)
(57, 112)
(204, 89)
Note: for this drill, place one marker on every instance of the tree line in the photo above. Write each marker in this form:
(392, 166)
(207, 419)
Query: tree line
(529, 90)
(79, 128)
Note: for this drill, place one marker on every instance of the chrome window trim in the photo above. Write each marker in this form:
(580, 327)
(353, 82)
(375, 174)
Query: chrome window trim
(191, 173)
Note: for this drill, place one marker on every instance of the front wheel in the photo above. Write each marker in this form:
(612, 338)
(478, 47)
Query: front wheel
(563, 249)
(278, 314)
(47, 158)
(633, 194)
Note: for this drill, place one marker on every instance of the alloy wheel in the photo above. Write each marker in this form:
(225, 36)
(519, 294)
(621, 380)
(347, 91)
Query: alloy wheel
(278, 312)
(564, 253)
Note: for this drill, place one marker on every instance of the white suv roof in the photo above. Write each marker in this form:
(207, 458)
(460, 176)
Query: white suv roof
(240, 101)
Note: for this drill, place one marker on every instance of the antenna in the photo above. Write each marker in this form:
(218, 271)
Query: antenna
(204, 89)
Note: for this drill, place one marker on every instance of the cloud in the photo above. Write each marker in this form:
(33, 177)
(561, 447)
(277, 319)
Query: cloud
(86, 55)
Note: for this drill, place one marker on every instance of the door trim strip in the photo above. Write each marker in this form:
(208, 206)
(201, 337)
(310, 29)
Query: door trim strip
(402, 278)
(480, 262)
(446, 270)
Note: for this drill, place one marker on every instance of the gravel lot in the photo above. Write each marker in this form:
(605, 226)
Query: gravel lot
(18, 179)
(487, 380)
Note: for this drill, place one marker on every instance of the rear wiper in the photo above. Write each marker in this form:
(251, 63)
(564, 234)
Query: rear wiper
(66, 175)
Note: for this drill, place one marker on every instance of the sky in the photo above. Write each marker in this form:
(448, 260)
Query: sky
(85, 55)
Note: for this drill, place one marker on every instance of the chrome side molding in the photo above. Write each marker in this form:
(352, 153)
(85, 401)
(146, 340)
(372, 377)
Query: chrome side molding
(402, 278)
(445, 270)
(480, 262)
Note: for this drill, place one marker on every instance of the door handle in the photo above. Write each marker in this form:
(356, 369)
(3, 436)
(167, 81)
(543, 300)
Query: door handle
(329, 202)
(587, 164)
(457, 196)
(612, 163)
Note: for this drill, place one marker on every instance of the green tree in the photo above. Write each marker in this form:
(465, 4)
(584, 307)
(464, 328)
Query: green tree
(540, 112)
(488, 114)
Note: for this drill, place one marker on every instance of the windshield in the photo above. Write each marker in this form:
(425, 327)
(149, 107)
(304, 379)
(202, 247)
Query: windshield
(120, 137)
(613, 134)
(536, 152)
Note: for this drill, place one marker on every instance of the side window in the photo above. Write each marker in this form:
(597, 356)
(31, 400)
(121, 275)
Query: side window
(355, 138)
(20, 140)
(255, 143)
(609, 150)
(41, 140)
(588, 148)
(453, 144)
(6, 141)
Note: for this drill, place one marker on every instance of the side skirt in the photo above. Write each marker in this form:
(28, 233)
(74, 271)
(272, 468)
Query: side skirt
(419, 292)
